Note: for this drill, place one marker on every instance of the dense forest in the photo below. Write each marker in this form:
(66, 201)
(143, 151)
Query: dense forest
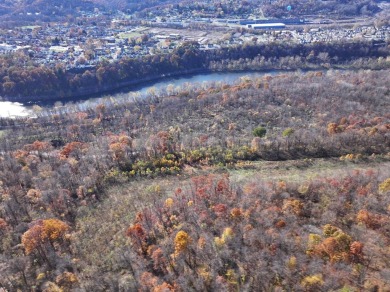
(273, 183)
(20, 82)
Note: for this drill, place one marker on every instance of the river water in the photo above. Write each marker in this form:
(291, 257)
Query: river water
(15, 109)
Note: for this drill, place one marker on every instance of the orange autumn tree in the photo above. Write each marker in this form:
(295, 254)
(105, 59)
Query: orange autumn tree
(72, 148)
(44, 231)
(138, 237)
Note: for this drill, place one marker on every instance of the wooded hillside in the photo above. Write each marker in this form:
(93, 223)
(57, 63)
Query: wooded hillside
(278, 182)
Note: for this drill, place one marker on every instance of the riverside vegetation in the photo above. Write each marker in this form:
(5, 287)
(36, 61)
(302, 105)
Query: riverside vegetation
(22, 80)
(273, 183)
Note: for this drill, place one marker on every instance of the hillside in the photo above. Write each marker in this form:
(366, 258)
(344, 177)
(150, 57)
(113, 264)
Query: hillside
(335, 8)
(216, 231)
(50, 8)
(296, 8)
(277, 182)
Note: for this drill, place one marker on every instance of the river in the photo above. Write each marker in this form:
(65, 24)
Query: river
(15, 109)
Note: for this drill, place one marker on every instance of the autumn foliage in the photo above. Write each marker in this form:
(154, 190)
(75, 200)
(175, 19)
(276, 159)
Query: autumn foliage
(181, 242)
(305, 207)
(232, 232)
(42, 232)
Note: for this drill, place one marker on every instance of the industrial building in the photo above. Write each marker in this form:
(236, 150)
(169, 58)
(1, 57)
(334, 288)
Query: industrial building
(288, 21)
(267, 26)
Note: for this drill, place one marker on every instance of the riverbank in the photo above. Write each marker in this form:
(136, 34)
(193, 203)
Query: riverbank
(95, 92)
(140, 85)
(40, 85)
(156, 86)
(15, 109)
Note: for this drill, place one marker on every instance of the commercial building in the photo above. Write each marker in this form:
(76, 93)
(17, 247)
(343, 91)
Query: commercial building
(267, 26)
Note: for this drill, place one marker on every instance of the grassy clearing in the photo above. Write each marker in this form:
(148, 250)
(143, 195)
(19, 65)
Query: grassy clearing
(101, 230)
(303, 170)
(129, 35)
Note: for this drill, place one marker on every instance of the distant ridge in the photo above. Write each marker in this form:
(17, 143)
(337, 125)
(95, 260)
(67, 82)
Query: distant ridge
(48, 10)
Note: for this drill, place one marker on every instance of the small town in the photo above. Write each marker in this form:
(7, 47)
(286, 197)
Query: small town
(106, 38)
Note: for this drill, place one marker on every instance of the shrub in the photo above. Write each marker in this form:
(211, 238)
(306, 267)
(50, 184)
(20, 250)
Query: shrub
(259, 132)
(314, 280)
(384, 186)
(288, 132)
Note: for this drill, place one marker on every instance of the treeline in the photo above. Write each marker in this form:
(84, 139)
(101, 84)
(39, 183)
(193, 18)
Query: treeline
(21, 83)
